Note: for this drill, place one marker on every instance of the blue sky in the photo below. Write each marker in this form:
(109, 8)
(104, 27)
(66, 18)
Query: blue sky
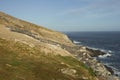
(67, 15)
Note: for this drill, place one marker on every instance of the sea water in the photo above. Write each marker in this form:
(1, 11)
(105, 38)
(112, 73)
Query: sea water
(108, 42)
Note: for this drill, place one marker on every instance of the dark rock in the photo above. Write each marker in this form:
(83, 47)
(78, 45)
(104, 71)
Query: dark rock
(95, 53)
(109, 69)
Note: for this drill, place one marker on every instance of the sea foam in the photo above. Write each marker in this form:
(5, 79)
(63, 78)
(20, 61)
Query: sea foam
(76, 42)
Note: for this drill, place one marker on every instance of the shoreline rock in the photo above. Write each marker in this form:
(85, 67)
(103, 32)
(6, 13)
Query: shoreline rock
(110, 69)
(99, 68)
(95, 53)
(88, 57)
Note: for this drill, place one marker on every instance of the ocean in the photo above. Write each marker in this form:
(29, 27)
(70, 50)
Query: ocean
(108, 42)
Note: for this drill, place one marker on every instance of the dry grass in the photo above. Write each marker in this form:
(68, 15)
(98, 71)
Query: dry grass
(39, 31)
(24, 57)
(15, 64)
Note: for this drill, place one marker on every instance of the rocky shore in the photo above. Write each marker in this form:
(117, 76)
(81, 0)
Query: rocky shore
(88, 56)
(85, 55)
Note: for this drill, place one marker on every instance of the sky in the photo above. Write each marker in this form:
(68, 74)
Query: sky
(67, 15)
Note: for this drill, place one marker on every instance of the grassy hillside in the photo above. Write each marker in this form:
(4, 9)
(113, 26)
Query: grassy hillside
(33, 30)
(19, 61)
(32, 52)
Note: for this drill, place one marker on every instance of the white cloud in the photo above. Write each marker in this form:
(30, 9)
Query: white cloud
(95, 8)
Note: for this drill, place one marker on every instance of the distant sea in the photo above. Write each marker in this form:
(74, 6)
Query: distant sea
(108, 42)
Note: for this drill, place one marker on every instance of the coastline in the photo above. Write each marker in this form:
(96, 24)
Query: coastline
(89, 57)
(99, 53)
(102, 54)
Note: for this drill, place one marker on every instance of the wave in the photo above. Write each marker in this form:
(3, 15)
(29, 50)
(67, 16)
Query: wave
(76, 42)
(105, 55)
(108, 52)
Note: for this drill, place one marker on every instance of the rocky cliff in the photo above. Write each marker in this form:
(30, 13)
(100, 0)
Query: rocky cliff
(32, 52)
